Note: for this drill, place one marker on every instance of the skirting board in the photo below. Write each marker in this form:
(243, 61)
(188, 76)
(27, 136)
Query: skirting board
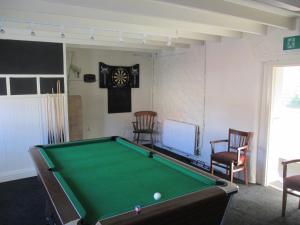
(17, 174)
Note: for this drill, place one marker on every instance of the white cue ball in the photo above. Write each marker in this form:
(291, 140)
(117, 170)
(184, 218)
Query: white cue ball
(157, 196)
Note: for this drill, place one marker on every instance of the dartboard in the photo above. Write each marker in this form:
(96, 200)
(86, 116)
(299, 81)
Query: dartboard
(120, 77)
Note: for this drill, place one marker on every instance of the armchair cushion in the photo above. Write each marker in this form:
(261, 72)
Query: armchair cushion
(227, 158)
(292, 182)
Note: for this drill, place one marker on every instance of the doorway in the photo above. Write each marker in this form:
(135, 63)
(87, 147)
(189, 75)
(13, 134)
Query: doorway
(284, 128)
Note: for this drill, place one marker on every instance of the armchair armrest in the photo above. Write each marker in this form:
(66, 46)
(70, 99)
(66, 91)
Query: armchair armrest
(285, 164)
(212, 143)
(290, 161)
(242, 148)
(239, 149)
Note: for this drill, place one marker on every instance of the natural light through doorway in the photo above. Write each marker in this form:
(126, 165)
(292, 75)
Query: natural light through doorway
(284, 139)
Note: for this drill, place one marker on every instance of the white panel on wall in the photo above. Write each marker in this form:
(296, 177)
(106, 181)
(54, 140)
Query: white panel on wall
(180, 136)
(20, 128)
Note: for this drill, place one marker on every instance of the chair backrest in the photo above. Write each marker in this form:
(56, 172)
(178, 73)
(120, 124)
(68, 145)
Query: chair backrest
(237, 139)
(145, 120)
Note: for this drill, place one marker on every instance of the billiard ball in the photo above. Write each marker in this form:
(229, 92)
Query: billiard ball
(157, 196)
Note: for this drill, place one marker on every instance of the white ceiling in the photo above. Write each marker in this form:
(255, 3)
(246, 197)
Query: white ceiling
(143, 25)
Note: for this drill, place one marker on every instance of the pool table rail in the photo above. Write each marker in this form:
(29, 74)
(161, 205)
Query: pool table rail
(203, 207)
(64, 208)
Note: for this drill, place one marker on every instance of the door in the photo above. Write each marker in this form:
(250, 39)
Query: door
(284, 123)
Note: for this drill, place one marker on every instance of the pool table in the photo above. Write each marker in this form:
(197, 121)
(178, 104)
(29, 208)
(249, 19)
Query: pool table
(112, 181)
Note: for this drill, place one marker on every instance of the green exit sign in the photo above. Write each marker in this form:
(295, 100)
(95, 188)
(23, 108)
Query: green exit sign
(290, 43)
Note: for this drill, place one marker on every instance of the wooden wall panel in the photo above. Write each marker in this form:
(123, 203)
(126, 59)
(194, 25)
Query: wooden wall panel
(75, 117)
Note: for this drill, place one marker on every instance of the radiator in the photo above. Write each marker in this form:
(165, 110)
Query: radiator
(181, 137)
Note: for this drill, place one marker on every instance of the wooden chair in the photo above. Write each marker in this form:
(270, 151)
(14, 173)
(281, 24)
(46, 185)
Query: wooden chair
(291, 185)
(144, 124)
(235, 158)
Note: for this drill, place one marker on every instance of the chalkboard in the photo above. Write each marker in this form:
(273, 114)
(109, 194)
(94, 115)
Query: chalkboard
(3, 90)
(47, 84)
(30, 57)
(23, 86)
(119, 100)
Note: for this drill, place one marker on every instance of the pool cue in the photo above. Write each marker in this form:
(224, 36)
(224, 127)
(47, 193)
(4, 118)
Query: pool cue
(62, 115)
(57, 113)
(53, 117)
(50, 117)
(47, 118)
(58, 110)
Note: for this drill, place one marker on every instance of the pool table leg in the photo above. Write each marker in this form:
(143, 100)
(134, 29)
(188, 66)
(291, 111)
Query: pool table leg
(50, 218)
(226, 210)
(231, 172)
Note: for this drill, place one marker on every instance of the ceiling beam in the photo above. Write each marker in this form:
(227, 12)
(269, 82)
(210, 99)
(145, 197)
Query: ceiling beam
(238, 11)
(83, 40)
(157, 42)
(70, 47)
(292, 5)
(12, 16)
(264, 7)
(142, 12)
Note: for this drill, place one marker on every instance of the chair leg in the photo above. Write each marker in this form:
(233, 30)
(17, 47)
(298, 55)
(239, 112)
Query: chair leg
(138, 138)
(151, 140)
(284, 197)
(211, 167)
(299, 204)
(134, 137)
(227, 171)
(231, 172)
(246, 174)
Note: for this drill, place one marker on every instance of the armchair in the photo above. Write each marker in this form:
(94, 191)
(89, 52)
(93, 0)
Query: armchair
(143, 124)
(291, 185)
(235, 158)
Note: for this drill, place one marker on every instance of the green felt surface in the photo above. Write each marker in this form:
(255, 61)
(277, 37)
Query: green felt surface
(106, 178)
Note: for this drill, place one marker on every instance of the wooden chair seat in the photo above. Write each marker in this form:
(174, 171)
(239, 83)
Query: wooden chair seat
(292, 182)
(228, 158)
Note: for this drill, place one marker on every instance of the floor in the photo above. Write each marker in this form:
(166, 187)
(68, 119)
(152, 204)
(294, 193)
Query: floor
(258, 205)
(22, 203)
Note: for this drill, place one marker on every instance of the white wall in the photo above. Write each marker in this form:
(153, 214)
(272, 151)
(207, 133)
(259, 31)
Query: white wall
(179, 86)
(232, 93)
(232, 78)
(20, 128)
(96, 121)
